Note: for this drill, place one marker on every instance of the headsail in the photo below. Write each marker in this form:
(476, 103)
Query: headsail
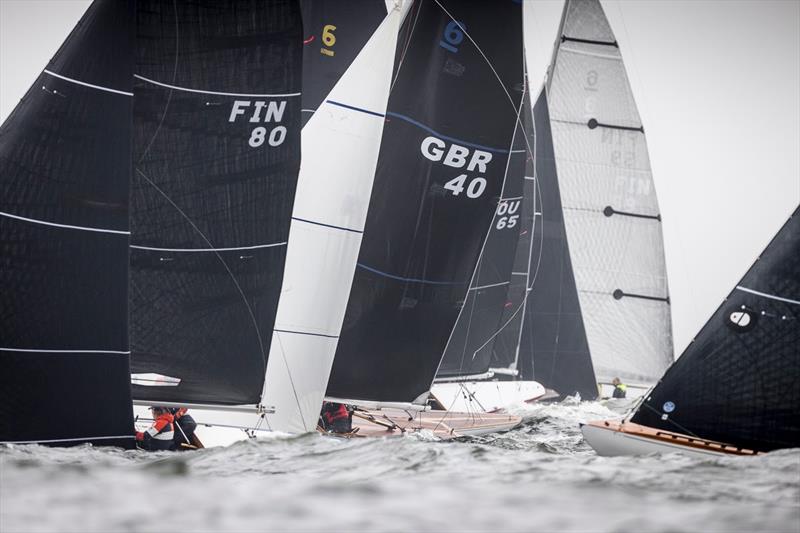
(335, 33)
(216, 156)
(440, 175)
(64, 170)
(610, 208)
(737, 382)
(340, 146)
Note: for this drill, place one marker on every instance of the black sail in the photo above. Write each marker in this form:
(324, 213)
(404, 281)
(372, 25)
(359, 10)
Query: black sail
(738, 382)
(449, 128)
(335, 32)
(471, 348)
(216, 157)
(553, 349)
(64, 169)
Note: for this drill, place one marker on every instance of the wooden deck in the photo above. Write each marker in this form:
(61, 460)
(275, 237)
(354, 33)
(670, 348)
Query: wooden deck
(442, 424)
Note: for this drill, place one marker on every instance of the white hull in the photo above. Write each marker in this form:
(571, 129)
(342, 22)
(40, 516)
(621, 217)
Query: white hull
(611, 438)
(485, 396)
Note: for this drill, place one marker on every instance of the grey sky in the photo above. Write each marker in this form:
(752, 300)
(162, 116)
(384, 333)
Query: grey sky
(717, 84)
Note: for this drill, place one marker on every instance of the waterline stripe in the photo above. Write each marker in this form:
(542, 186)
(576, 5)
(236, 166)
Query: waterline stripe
(68, 440)
(257, 246)
(445, 137)
(68, 226)
(34, 350)
(186, 89)
(413, 280)
(367, 111)
(327, 225)
(765, 295)
(98, 87)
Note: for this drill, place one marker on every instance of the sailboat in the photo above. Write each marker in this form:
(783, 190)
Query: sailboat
(64, 170)
(586, 298)
(441, 172)
(736, 388)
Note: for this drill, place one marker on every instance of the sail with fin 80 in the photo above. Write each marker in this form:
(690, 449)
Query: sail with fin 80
(449, 128)
(216, 156)
(609, 201)
(64, 170)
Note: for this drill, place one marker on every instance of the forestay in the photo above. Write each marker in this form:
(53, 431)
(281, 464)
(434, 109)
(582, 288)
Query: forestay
(64, 171)
(340, 145)
(216, 156)
(737, 382)
(448, 134)
(610, 207)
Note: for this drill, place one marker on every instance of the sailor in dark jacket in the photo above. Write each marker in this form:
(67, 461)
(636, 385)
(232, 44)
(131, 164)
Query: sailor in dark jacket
(184, 427)
(158, 436)
(335, 418)
(620, 390)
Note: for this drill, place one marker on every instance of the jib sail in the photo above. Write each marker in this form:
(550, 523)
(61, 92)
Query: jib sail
(449, 131)
(216, 152)
(737, 382)
(64, 170)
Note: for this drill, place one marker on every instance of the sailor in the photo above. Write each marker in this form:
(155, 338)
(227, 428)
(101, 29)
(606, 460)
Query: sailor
(159, 436)
(620, 389)
(335, 418)
(184, 427)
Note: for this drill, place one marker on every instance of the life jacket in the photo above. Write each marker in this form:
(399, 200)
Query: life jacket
(159, 436)
(333, 413)
(620, 390)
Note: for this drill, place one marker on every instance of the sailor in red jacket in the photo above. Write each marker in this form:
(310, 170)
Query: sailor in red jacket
(158, 436)
(336, 418)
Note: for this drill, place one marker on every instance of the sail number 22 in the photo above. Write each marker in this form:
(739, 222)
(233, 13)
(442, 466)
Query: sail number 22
(458, 156)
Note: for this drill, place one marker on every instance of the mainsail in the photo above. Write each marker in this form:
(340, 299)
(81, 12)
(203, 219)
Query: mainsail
(609, 201)
(440, 176)
(216, 156)
(737, 382)
(340, 146)
(64, 170)
(335, 33)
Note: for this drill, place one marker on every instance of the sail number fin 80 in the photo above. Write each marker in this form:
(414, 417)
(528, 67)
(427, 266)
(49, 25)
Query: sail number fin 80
(261, 111)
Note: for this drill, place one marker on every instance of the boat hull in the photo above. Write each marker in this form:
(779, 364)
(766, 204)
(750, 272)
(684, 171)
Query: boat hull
(442, 424)
(486, 396)
(614, 438)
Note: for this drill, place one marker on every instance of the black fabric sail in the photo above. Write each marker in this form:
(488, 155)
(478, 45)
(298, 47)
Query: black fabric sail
(553, 349)
(216, 157)
(450, 123)
(64, 171)
(738, 381)
(335, 32)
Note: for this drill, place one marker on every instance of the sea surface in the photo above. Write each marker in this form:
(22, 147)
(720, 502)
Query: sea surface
(541, 476)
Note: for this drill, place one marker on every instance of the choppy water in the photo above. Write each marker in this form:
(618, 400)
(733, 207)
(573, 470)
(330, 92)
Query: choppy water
(541, 476)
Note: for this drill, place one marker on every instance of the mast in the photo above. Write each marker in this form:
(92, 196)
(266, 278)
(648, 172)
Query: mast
(335, 33)
(440, 175)
(341, 142)
(610, 207)
(64, 170)
(737, 381)
(216, 156)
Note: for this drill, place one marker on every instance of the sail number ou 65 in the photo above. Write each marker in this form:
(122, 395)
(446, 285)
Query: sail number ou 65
(458, 156)
(505, 214)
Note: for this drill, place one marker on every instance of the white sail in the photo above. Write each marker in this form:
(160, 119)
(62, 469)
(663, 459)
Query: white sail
(611, 212)
(340, 145)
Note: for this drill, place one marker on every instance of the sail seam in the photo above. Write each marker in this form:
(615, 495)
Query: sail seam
(327, 225)
(490, 286)
(446, 137)
(401, 278)
(36, 350)
(98, 87)
(588, 41)
(218, 93)
(67, 226)
(766, 295)
(254, 247)
(354, 108)
(306, 333)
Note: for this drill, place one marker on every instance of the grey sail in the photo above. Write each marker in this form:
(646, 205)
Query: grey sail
(610, 208)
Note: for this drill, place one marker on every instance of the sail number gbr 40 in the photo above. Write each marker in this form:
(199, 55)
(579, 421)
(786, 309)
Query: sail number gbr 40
(456, 156)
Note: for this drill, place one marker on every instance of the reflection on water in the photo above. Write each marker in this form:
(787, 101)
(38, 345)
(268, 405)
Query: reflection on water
(540, 476)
